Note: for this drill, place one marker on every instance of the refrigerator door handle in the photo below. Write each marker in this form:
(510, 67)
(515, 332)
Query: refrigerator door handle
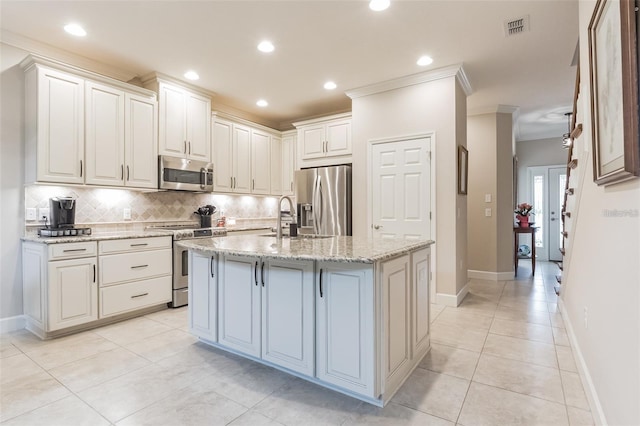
(317, 201)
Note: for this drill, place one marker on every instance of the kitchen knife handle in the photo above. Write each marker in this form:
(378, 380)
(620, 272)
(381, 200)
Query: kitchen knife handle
(255, 273)
(262, 274)
(320, 282)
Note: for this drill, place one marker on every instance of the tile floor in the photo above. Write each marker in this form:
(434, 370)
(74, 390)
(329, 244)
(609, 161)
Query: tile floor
(501, 358)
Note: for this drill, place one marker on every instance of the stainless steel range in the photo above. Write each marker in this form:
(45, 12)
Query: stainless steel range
(181, 256)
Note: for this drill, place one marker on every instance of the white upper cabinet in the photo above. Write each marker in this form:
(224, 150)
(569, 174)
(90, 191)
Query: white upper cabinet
(288, 162)
(221, 135)
(260, 162)
(276, 166)
(54, 126)
(324, 141)
(184, 120)
(85, 128)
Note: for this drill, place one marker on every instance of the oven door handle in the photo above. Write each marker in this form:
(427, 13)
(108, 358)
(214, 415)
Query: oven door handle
(203, 177)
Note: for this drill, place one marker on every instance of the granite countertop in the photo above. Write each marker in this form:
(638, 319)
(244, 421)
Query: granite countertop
(98, 236)
(338, 248)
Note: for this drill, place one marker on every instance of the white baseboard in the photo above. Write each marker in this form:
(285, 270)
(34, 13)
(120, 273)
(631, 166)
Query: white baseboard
(10, 324)
(589, 388)
(490, 276)
(451, 300)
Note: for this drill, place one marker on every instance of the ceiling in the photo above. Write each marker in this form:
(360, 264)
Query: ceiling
(316, 41)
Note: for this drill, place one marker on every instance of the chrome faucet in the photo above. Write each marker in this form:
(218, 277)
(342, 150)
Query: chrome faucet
(279, 222)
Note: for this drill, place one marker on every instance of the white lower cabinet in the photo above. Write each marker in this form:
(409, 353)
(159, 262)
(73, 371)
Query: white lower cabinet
(203, 295)
(345, 326)
(266, 310)
(73, 293)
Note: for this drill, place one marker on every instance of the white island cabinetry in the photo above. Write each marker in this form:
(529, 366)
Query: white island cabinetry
(349, 314)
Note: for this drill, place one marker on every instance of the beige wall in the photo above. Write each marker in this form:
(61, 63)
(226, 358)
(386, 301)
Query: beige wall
(540, 152)
(490, 244)
(435, 106)
(602, 274)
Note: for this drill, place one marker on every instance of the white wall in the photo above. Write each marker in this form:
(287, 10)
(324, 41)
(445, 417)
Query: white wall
(437, 106)
(603, 274)
(11, 180)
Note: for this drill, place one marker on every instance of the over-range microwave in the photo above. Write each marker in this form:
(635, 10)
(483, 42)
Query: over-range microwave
(181, 174)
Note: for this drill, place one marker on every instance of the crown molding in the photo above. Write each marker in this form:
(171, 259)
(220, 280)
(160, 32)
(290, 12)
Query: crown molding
(494, 109)
(155, 76)
(64, 56)
(456, 71)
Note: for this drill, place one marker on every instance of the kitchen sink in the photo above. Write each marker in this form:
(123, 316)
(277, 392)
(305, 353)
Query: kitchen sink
(300, 236)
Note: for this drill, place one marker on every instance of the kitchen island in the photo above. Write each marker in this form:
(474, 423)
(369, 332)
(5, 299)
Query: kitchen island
(350, 314)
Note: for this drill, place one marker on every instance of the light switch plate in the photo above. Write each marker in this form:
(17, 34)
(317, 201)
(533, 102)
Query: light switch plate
(31, 214)
(126, 214)
(487, 198)
(487, 212)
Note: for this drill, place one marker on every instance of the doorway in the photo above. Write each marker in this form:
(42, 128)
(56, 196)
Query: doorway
(546, 192)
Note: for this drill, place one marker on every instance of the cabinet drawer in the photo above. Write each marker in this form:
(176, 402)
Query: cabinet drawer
(118, 268)
(72, 250)
(123, 298)
(134, 244)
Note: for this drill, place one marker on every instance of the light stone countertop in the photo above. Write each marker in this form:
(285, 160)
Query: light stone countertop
(98, 236)
(337, 249)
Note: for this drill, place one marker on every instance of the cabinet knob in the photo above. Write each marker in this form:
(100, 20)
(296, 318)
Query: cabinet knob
(377, 226)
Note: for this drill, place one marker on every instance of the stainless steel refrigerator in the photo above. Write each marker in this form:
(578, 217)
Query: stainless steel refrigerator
(323, 198)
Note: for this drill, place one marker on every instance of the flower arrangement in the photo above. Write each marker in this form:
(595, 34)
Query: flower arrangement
(523, 209)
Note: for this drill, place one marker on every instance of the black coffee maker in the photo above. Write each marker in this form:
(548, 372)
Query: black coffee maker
(63, 212)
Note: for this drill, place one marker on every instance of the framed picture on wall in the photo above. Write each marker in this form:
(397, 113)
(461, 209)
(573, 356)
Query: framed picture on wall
(463, 169)
(613, 70)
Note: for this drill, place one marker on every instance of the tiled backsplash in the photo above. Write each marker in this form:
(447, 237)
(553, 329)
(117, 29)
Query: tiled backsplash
(106, 206)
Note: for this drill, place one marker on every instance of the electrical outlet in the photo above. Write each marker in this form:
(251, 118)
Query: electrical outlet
(43, 213)
(31, 214)
(487, 198)
(487, 212)
(127, 214)
(586, 323)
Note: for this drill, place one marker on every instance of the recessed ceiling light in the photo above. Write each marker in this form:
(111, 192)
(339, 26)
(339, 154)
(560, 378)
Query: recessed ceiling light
(75, 29)
(379, 5)
(266, 46)
(330, 85)
(191, 75)
(262, 103)
(424, 61)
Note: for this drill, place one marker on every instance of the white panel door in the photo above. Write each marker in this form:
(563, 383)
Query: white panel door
(421, 275)
(203, 292)
(222, 156)
(60, 127)
(141, 141)
(396, 294)
(198, 127)
(73, 293)
(400, 180)
(241, 159)
(104, 113)
(345, 326)
(276, 166)
(288, 164)
(338, 136)
(173, 129)
(288, 314)
(239, 292)
(260, 162)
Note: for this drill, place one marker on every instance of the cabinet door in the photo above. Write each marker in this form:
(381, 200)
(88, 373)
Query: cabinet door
(239, 304)
(222, 134)
(288, 315)
(141, 142)
(60, 127)
(345, 344)
(312, 141)
(421, 276)
(241, 159)
(198, 127)
(288, 164)
(173, 128)
(396, 294)
(276, 166)
(73, 293)
(203, 301)
(338, 138)
(104, 134)
(260, 162)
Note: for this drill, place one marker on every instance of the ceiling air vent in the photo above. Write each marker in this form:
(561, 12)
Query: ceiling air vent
(516, 26)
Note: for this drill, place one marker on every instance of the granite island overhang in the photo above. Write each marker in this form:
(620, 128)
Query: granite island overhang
(350, 314)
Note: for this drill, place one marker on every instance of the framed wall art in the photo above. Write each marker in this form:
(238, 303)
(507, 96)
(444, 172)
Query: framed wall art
(463, 169)
(613, 69)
